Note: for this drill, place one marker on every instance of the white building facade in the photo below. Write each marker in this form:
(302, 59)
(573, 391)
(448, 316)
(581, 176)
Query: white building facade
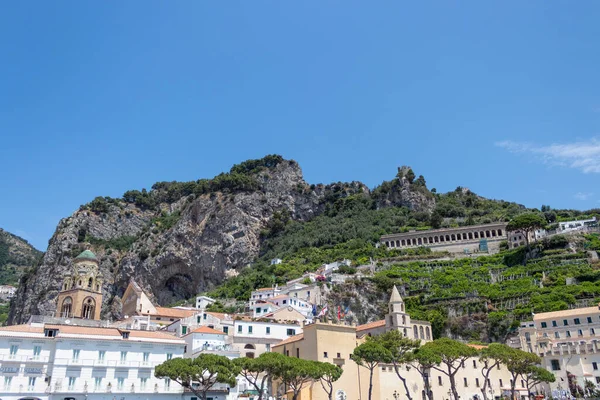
(569, 344)
(41, 361)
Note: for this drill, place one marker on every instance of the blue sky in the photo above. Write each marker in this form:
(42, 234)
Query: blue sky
(100, 97)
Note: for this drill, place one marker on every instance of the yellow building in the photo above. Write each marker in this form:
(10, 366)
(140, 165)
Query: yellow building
(81, 294)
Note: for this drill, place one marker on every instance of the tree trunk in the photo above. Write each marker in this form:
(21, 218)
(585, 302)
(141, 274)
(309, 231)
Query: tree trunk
(453, 386)
(406, 389)
(370, 384)
(513, 384)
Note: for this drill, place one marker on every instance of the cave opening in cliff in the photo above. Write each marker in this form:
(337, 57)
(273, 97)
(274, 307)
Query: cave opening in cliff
(181, 286)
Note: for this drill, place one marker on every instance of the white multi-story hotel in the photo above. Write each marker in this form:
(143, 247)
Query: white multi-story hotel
(44, 361)
(569, 344)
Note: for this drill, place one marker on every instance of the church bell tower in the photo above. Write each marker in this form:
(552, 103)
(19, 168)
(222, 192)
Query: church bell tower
(81, 292)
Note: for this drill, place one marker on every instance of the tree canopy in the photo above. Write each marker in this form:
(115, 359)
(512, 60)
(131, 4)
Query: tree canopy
(206, 370)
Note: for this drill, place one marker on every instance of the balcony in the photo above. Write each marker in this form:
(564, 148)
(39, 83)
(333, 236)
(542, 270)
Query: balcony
(89, 362)
(25, 359)
(113, 389)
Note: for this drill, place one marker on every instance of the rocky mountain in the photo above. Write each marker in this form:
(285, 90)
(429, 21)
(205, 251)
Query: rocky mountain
(16, 255)
(181, 238)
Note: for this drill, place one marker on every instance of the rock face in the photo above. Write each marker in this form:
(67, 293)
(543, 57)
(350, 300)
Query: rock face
(174, 249)
(404, 191)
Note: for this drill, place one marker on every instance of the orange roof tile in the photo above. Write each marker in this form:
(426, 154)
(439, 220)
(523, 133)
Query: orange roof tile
(22, 328)
(220, 315)
(264, 289)
(174, 312)
(370, 325)
(291, 339)
(109, 332)
(206, 329)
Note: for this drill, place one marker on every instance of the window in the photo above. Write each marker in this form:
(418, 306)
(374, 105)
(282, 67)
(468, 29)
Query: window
(268, 347)
(167, 383)
(287, 353)
(557, 335)
(226, 330)
(75, 354)
(522, 383)
(183, 330)
(580, 332)
(324, 354)
(123, 356)
(500, 381)
(146, 358)
(440, 381)
(598, 379)
(595, 366)
(31, 383)
(565, 322)
(120, 383)
(465, 381)
(7, 381)
(291, 332)
(555, 365)
(383, 369)
(258, 310)
(568, 334)
(544, 325)
(474, 363)
(339, 355)
(249, 328)
(97, 383)
(554, 323)
(589, 320)
(577, 322)
(72, 381)
(462, 364)
(101, 355)
(477, 382)
(143, 382)
(198, 319)
(204, 316)
(36, 352)
(169, 356)
(13, 350)
(268, 330)
(592, 331)
(297, 353)
(239, 329)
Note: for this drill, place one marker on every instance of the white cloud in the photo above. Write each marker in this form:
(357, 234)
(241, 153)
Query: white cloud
(582, 196)
(584, 156)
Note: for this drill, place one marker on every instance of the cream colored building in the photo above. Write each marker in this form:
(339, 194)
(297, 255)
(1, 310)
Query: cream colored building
(334, 343)
(568, 343)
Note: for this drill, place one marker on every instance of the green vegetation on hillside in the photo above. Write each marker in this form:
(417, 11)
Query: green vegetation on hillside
(14, 261)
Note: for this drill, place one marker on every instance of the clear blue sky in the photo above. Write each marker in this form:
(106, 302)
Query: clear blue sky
(100, 97)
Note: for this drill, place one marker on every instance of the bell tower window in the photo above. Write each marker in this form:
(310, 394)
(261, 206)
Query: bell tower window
(89, 306)
(90, 283)
(66, 308)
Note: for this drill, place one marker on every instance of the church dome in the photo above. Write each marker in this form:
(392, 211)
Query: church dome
(87, 255)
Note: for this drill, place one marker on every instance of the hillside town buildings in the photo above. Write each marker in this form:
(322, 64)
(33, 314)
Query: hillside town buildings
(451, 239)
(334, 343)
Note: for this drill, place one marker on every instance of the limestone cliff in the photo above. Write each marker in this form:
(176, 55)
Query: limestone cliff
(179, 238)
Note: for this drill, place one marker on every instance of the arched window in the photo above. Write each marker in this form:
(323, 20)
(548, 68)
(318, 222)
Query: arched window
(391, 320)
(66, 308)
(89, 306)
(249, 355)
(427, 333)
(415, 332)
(421, 333)
(90, 283)
(80, 283)
(65, 286)
(403, 320)
(250, 346)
